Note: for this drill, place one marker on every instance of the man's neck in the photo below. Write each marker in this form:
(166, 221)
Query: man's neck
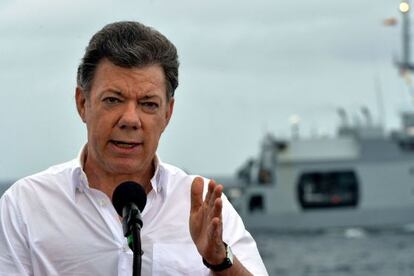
(107, 182)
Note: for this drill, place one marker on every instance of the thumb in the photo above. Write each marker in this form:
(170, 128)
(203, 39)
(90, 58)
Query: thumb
(197, 193)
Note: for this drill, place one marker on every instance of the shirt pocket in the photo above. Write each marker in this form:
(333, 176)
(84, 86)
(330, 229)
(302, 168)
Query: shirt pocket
(125, 263)
(177, 259)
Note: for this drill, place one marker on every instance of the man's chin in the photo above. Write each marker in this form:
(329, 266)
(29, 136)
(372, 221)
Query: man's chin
(125, 169)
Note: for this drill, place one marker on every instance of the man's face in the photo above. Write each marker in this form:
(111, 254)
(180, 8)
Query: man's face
(125, 114)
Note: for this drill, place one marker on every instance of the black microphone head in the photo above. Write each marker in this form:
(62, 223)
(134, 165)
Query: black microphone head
(129, 192)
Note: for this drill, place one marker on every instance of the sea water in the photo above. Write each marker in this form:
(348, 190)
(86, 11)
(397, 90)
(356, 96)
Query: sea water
(339, 252)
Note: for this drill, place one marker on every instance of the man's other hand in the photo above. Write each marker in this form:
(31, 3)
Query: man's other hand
(206, 225)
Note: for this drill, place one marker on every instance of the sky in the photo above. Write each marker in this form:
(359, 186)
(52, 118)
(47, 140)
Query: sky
(246, 68)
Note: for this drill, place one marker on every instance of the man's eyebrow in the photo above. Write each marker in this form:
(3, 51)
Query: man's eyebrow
(118, 92)
(121, 94)
(147, 97)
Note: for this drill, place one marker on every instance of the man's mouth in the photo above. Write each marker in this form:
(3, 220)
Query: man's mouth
(125, 145)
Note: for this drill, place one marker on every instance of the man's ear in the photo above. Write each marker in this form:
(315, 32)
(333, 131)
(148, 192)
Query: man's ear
(81, 103)
(169, 112)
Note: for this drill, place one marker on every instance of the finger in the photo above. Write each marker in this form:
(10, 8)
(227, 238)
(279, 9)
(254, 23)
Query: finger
(197, 193)
(216, 232)
(218, 189)
(210, 191)
(215, 218)
(218, 207)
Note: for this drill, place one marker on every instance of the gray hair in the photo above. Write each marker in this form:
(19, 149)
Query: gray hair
(129, 44)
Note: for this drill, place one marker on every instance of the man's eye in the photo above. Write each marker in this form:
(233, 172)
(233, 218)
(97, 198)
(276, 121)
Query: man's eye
(150, 106)
(111, 100)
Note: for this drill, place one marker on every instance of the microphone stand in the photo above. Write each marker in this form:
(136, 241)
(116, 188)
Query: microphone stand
(137, 259)
(132, 224)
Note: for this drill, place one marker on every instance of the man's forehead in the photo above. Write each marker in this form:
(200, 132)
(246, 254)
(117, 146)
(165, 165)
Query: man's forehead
(154, 69)
(109, 76)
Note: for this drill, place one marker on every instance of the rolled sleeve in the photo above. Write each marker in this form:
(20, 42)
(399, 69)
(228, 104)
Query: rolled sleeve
(242, 243)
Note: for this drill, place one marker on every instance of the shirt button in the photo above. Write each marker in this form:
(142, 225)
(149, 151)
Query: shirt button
(125, 248)
(102, 203)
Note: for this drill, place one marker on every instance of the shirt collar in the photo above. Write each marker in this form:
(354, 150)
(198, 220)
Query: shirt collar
(157, 182)
(82, 182)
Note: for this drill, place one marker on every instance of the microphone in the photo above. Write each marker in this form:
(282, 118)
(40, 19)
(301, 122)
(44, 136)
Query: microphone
(129, 199)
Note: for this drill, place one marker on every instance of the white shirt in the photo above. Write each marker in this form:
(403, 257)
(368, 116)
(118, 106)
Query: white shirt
(53, 223)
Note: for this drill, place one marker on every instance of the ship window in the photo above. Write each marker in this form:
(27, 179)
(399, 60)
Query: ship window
(328, 189)
(265, 176)
(406, 145)
(256, 203)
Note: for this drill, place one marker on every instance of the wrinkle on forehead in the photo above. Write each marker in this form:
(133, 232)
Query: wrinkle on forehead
(137, 81)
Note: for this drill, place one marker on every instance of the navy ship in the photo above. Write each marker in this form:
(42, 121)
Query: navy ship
(362, 177)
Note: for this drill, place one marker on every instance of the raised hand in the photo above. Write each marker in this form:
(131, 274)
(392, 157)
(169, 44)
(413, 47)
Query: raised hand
(206, 225)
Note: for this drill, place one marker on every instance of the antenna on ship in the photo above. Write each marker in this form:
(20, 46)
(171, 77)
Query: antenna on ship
(405, 64)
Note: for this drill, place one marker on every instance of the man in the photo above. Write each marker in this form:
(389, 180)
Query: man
(61, 221)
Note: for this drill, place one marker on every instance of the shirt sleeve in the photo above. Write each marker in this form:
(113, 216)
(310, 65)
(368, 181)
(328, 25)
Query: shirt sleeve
(14, 250)
(241, 242)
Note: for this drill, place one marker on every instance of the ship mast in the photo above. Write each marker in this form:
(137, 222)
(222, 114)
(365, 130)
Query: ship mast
(405, 64)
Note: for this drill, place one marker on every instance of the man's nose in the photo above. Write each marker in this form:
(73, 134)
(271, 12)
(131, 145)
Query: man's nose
(130, 117)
